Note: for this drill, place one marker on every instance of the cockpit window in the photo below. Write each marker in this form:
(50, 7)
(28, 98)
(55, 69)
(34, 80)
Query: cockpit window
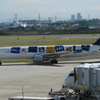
(71, 74)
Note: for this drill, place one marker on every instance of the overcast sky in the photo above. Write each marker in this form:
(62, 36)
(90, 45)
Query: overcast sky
(49, 8)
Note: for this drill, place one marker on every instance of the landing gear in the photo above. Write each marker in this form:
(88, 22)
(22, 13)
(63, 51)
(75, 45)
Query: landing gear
(54, 61)
(0, 63)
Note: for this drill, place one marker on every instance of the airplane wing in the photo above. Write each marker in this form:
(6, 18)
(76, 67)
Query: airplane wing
(54, 55)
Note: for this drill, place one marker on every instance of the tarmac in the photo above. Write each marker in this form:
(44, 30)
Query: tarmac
(35, 80)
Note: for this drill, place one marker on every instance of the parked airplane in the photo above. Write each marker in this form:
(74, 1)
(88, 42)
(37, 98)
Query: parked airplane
(44, 53)
(72, 80)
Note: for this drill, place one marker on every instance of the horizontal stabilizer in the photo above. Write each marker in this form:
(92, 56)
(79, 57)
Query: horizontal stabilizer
(97, 42)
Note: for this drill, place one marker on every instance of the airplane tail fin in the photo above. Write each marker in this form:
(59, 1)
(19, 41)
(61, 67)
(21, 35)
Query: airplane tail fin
(97, 42)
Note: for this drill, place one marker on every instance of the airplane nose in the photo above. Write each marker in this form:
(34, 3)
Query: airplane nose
(66, 81)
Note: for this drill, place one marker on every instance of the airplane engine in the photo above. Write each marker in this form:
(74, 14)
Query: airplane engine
(38, 58)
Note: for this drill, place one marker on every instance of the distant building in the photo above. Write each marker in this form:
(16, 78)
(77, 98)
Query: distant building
(34, 21)
(16, 18)
(29, 21)
(72, 18)
(79, 17)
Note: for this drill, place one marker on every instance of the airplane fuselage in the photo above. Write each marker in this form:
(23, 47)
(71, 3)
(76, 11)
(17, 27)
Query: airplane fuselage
(69, 81)
(28, 52)
(72, 78)
(44, 53)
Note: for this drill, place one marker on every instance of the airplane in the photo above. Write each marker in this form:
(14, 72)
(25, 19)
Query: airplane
(71, 80)
(45, 53)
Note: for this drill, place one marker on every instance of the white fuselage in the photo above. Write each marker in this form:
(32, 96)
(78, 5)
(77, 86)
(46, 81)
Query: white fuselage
(69, 80)
(28, 52)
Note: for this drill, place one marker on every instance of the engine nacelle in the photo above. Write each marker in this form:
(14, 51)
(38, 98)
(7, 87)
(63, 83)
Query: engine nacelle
(38, 58)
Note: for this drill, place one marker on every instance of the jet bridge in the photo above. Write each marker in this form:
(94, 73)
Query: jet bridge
(88, 76)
